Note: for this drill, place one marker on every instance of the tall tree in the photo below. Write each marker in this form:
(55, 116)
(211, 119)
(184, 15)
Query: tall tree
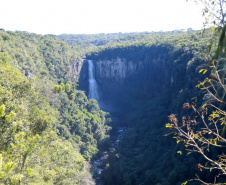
(204, 132)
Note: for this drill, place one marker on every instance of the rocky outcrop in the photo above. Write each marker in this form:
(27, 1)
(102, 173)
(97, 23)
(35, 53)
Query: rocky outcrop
(75, 69)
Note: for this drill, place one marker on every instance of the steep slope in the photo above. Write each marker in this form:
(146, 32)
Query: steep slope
(46, 122)
(29, 146)
(50, 123)
(131, 69)
(150, 80)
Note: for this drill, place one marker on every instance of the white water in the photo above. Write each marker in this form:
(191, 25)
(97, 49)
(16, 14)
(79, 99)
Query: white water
(93, 87)
(97, 167)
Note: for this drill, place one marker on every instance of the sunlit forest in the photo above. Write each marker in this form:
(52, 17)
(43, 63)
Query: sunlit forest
(137, 108)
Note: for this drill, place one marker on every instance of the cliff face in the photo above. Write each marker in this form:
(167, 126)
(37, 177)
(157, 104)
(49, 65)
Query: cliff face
(84, 77)
(113, 70)
(75, 69)
(123, 81)
(123, 71)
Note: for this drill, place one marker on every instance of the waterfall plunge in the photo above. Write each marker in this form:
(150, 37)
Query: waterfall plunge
(93, 87)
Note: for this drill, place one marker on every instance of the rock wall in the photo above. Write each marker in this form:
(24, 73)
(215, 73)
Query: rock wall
(116, 70)
(75, 69)
(123, 81)
(123, 71)
(84, 77)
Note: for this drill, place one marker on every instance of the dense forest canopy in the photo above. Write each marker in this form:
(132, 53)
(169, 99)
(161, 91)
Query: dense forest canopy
(46, 123)
(50, 130)
(144, 156)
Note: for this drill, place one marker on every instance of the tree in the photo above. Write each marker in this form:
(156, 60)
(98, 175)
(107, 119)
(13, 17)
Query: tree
(214, 12)
(204, 132)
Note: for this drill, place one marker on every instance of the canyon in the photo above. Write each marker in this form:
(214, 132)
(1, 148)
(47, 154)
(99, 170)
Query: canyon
(138, 80)
(121, 80)
(142, 90)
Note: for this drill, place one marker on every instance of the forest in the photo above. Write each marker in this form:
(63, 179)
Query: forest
(167, 89)
(47, 125)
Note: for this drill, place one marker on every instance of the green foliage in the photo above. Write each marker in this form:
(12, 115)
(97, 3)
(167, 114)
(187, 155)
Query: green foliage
(67, 87)
(145, 156)
(2, 110)
(37, 55)
(84, 118)
(29, 148)
(45, 123)
(214, 12)
(58, 88)
(141, 45)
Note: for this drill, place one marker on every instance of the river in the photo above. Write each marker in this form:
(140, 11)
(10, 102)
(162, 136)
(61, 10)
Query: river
(97, 164)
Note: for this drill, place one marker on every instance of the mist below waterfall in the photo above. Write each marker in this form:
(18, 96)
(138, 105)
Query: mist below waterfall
(95, 91)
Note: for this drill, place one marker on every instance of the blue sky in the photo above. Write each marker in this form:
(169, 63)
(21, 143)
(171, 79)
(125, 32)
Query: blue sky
(98, 16)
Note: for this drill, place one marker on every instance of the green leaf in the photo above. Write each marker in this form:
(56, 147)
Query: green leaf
(201, 70)
(10, 116)
(168, 125)
(2, 110)
(180, 152)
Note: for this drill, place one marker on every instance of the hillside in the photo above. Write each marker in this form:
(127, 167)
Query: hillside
(46, 122)
(146, 81)
(50, 130)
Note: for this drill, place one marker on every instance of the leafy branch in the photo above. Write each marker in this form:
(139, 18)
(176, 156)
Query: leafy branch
(206, 128)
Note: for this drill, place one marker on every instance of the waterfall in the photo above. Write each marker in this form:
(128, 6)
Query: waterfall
(93, 87)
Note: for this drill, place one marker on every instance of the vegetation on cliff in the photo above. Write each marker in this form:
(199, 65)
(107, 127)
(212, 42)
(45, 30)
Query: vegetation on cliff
(49, 129)
(144, 155)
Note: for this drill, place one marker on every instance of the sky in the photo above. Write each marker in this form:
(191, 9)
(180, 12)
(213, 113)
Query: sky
(98, 16)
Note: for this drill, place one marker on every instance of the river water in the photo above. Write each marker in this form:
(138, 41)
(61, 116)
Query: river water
(97, 164)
